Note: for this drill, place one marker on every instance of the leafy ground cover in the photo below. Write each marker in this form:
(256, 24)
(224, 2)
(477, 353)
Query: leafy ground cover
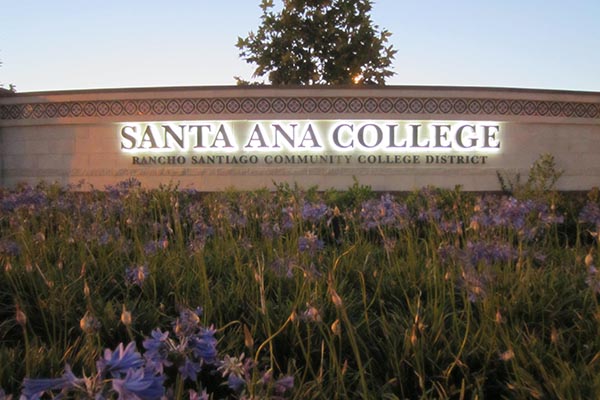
(133, 293)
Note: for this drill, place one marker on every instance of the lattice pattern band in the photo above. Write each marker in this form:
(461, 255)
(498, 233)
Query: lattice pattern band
(240, 106)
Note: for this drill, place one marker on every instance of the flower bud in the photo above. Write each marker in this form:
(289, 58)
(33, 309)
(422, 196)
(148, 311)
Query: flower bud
(499, 317)
(474, 225)
(589, 259)
(335, 298)
(413, 335)
(336, 328)
(20, 316)
(248, 340)
(507, 355)
(554, 337)
(125, 316)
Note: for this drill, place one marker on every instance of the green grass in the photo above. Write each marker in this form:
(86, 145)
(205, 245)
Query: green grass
(423, 304)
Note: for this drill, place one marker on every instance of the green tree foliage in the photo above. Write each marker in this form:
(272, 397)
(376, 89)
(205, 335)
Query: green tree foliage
(318, 42)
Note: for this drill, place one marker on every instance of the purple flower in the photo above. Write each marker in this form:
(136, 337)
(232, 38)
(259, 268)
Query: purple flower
(314, 212)
(28, 198)
(204, 345)
(430, 211)
(136, 275)
(139, 385)
(237, 366)
(474, 283)
(451, 226)
(287, 218)
(309, 243)
(593, 279)
(270, 230)
(119, 361)
(3, 395)
(311, 314)
(35, 388)
(478, 252)
(151, 247)
(310, 271)
(122, 188)
(201, 230)
(104, 238)
(223, 215)
(190, 370)
(284, 384)
(385, 212)
(284, 267)
(9, 248)
(198, 396)
(526, 217)
(157, 350)
(235, 383)
(188, 322)
(488, 253)
(590, 214)
(201, 233)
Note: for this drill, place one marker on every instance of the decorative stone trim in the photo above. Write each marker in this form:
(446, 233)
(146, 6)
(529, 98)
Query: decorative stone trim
(240, 106)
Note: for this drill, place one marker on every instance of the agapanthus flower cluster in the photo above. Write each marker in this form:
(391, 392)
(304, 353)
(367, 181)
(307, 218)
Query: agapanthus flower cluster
(136, 275)
(188, 353)
(89, 323)
(4, 396)
(315, 212)
(429, 211)
(288, 217)
(125, 372)
(270, 230)
(122, 371)
(384, 213)
(311, 314)
(593, 278)
(478, 252)
(152, 247)
(27, 198)
(284, 267)
(526, 217)
(590, 214)
(9, 248)
(122, 188)
(201, 232)
(239, 370)
(97, 234)
(227, 215)
(190, 347)
(474, 283)
(310, 243)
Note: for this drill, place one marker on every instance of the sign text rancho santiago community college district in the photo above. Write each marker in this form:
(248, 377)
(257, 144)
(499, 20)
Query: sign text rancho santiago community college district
(310, 142)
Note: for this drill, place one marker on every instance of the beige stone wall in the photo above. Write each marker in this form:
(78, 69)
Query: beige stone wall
(72, 136)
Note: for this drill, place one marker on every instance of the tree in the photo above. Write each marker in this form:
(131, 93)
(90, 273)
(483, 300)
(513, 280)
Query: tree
(318, 42)
(11, 87)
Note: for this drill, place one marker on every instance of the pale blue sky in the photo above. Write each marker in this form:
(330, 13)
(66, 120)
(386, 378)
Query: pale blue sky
(68, 44)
